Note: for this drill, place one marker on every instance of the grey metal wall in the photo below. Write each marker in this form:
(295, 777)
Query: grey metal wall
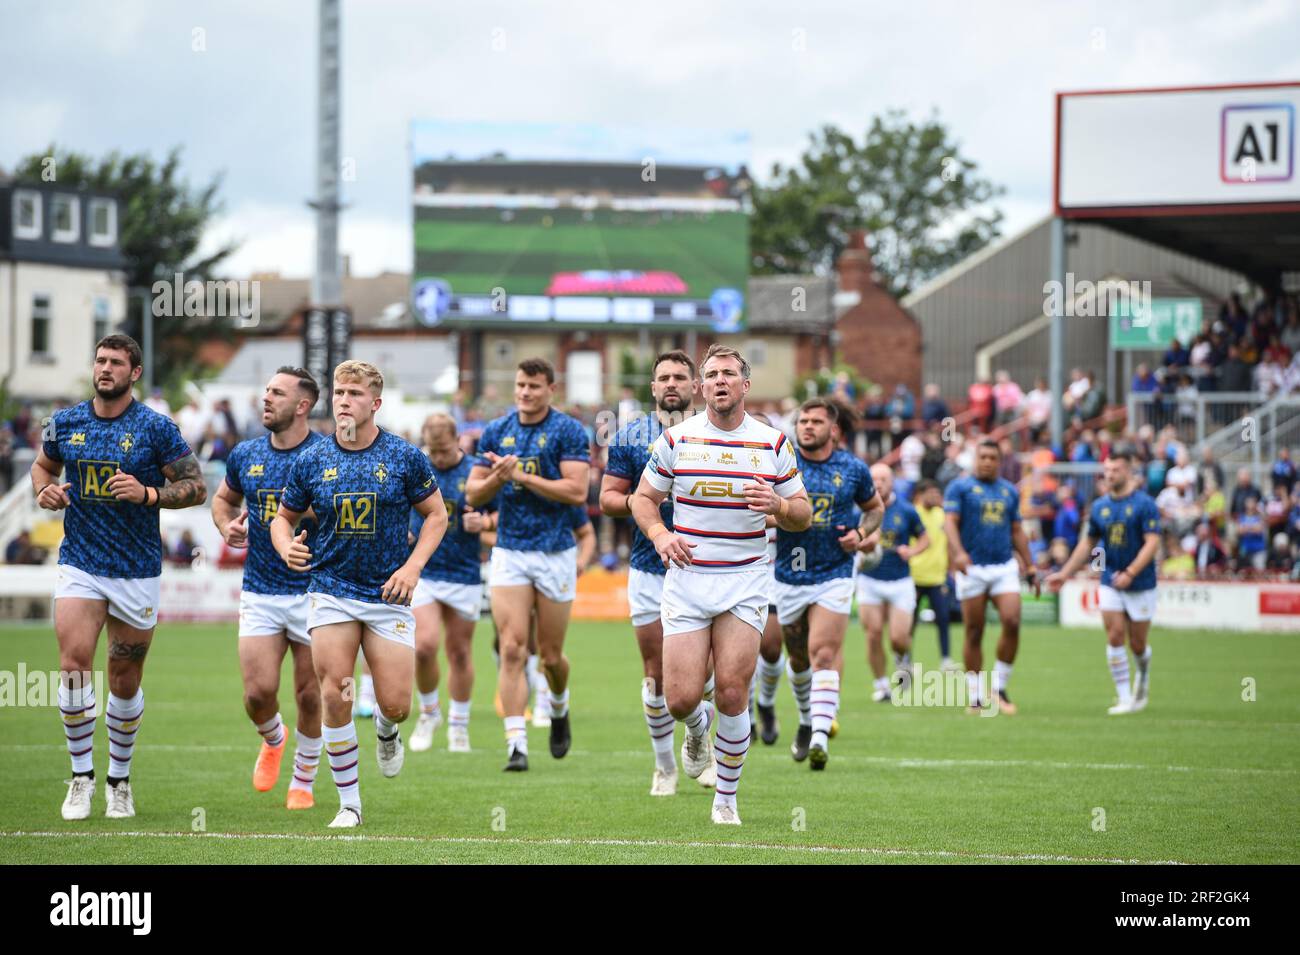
(967, 308)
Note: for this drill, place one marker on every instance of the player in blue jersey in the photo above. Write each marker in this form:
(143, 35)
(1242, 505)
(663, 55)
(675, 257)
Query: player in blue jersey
(814, 569)
(360, 486)
(273, 601)
(124, 461)
(988, 550)
(538, 460)
(1126, 524)
(448, 599)
(887, 587)
(673, 386)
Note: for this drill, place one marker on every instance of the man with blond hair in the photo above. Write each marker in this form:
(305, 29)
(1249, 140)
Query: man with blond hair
(361, 486)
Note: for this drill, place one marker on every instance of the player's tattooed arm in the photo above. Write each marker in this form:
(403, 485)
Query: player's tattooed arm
(127, 652)
(185, 486)
(872, 515)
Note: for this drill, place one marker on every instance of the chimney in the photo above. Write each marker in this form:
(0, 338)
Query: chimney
(856, 270)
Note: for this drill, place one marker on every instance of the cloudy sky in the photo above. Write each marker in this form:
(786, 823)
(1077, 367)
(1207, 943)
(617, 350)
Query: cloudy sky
(126, 75)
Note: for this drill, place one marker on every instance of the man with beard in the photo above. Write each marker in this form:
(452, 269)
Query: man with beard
(727, 473)
(1127, 525)
(124, 461)
(672, 385)
(814, 570)
(273, 601)
(361, 485)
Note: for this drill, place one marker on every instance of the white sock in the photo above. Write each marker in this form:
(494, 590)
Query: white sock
(1001, 676)
(801, 687)
(341, 748)
(1117, 660)
(700, 719)
(123, 719)
(1144, 660)
(367, 686)
(881, 683)
(516, 735)
(903, 660)
(708, 689)
(661, 725)
(77, 707)
(533, 668)
(825, 703)
(769, 678)
(559, 702)
(306, 759)
(384, 727)
(972, 688)
(459, 715)
(729, 749)
(429, 702)
(272, 730)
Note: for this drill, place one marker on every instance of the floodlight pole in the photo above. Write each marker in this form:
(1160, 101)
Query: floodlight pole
(326, 285)
(1056, 348)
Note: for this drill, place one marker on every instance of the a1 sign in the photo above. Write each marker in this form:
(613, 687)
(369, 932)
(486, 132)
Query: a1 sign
(1257, 143)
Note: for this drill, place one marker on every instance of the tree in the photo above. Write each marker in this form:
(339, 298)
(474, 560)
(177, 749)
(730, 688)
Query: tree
(159, 232)
(922, 204)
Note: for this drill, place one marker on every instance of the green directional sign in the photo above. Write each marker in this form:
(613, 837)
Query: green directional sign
(1170, 318)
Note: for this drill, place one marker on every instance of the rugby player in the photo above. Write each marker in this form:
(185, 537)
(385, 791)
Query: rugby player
(273, 600)
(361, 485)
(988, 550)
(727, 472)
(124, 461)
(673, 386)
(930, 568)
(814, 570)
(1126, 523)
(537, 459)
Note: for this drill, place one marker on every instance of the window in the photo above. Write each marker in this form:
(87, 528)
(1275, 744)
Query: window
(27, 214)
(756, 353)
(40, 324)
(103, 324)
(103, 222)
(65, 213)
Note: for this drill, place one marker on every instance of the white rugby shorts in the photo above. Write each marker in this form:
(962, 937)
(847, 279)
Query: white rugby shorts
(553, 575)
(645, 594)
(991, 579)
(393, 622)
(836, 595)
(133, 600)
(899, 593)
(1139, 605)
(266, 615)
(693, 598)
(465, 599)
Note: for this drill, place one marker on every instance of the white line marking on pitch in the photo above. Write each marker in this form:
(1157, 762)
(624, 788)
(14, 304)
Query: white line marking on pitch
(625, 843)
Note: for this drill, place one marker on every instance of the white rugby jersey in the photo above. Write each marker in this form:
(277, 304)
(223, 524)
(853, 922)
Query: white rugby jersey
(706, 469)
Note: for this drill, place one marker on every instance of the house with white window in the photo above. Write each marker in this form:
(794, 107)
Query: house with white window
(62, 287)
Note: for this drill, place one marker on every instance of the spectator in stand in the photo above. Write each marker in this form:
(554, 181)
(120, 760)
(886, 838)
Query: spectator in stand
(158, 403)
(1066, 524)
(1293, 518)
(910, 454)
(1252, 536)
(1042, 505)
(1007, 397)
(932, 459)
(1210, 557)
(1208, 470)
(1279, 558)
(6, 457)
(952, 464)
(1093, 402)
(1178, 565)
(1009, 468)
(901, 404)
(1244, 490)
(1176, 355)
(1144, 383)
(1075, 390)
(1214, 506)
(933, 408)
(1235, 373)
(1085, 450)
(1284, 472)
(1178, 508)
(1276, 352)
(1275, 508)
(1290, 332)
(1186, 394)
(21, 551)
(1038, 410)
(872, 414)
(182, 555)
(1183, 471)
(980, 398)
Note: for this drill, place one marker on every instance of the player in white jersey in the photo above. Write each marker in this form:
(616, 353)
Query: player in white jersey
(771, 658)
(726, 472)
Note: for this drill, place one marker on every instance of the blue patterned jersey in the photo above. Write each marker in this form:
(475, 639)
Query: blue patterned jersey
(578, 518)
(898, 527)
(986, 510)
(836, 487)
(102, 535)
(457, 558)
(1120, 524)
(362, 500)
(259, 471)
(628, 453)
(530, 521)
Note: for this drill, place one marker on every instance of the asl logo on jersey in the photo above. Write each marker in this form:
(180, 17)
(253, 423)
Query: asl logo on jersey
(256, 470)
(354, 514)
(127, 442)
(713, 489)
(95, 476)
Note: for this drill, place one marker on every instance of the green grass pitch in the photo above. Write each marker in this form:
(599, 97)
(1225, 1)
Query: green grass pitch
(476, 252)
(1201, 776)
